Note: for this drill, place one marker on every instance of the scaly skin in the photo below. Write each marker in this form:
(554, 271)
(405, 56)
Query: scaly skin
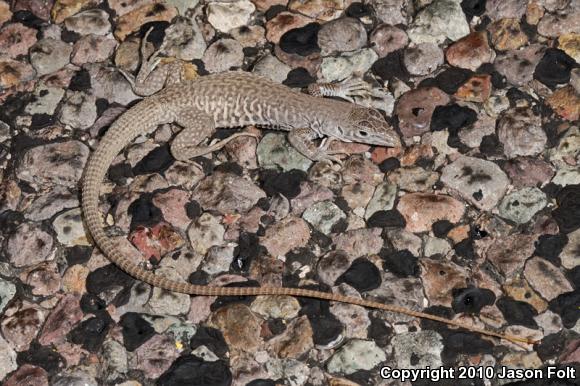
(234, 99)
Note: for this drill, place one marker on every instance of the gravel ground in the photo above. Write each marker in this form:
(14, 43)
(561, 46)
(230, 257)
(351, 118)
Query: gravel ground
(476, 218)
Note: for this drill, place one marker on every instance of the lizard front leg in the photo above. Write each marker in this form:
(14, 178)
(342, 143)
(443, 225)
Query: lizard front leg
(302, 139)
(346, 89)
(197, 126)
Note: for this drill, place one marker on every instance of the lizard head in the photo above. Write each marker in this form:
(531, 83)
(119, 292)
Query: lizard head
(368, 126)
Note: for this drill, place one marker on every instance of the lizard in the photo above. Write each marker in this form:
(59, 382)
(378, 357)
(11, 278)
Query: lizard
(235, 99)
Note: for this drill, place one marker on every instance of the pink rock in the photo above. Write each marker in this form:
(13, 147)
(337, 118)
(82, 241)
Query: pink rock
(416, 107)
(16, 39)
(280, 238)
(21, 323)
(172, 204)
(470, 52)
(157, 241)
(61, 320)
(282, 23)
(28, 375)
(421, 210)
(92, 49)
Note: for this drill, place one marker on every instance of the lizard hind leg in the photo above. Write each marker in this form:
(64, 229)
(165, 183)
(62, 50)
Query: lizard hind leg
(197, 126)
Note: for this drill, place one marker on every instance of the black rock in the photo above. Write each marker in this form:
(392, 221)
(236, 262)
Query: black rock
(473, 7)
(325, 328)
(471, 300)
(157, 160)
(567, 214)
(273, 11)
(193, 209)
(78, 254)
(81, 81)
(516, 312)
(106, 278)
(91, 333)
(464, 248)
(441, 228)
(574, 275)
(285, 183)
(553, 345)
(28, 19)
(550, 247)
(298, 77)
(387, 219)
(567, 305)
(91, 304)
(358, 10)
(391, 66)
(41, 356)
(389, 164)
(400, 263)
(452, 78)
(362, 275)
(189, 370)
(247, 250)
(135, 330)
(144, 213)
(490, 145)
(302, 41)
(120, 172)
(261, 382)
(554, 68)
(452, 117)
(230, 167)
(211, 338)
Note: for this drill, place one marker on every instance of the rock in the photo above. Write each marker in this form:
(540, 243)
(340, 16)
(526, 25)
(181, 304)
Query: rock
(69, 228)
(521, 133)
(46, 100)
(359, 242)
(205, 232)
(423, 59)
(341, 35)
(16, 39)
(546, 278)
(343, 66)
(222, 55)
(507, 34)
(565, 102)
(554, 68)
(387, 38)
(570, 44)
(270, 67)
(274, 151)
(286, 235)
(155, 356)
(13, 72)
(480, 182)
(282, 23)
(92, 49)
(441, 279)
(49, 55)
(520, 206)
(518, 66)
(241, 327)
(417, 349)
(79, 110)
(109, 84)
(567, 176)
(21, 324)
(528, 172)
(509, 253)
(391, 12)
(156, 241)
(65, 8)
(7, 292)
(325, 10)
(422, 210)
(226, 16)
(5, 13)
(439, 20)
(415, 109)
(569, 255)
(161, 304)
(227, 193)
(7, 359)
(31, 375)
(29, 245)
(554, 25)
(301, 41)
(250, 36)
(276, 307)
(383, 199)
(413, 179)
(498, 9)
(132, 21)
(470, 52)
(92, 21)
(323, 216)
(356, 355)
(476, 89)
(184, 39)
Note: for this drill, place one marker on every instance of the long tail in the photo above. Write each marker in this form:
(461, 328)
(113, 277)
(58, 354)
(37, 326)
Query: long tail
(121, 133)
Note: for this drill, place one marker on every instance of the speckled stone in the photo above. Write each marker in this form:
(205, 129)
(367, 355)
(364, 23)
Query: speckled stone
(476, 89)
(440, 279)
(226, 16)
(13, 72)
(417, 349)
(5, 13)
(21, 324)
(133, 20)
(506, 34)
(521, 133)
(340, 35)
(554, 25)
(28, 375)
(498, 9)
(509, 253)
(343, 66)
(421, 210)
(356, 355)
(480, 182)
(383, 198)
(520, 206)
(274, 151)
(325, 10)
(46, 100)
(569, 255)
(49, 55)
(566, 103)
(65, 8)
(205, 232)
(29, 244)
(546, 278)
(323, 216)
(470, 52)
(92, 49)
(528, 172)
(7, 359)
(78, 110)
(518, 65)
(387, 38)
(423, 58)
(570, 44)
(281, 237)
(222, 55)
(16, 39)
(93, 21)
(439, 20)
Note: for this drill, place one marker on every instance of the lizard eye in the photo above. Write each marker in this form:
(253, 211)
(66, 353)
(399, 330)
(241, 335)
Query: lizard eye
(363, 133)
